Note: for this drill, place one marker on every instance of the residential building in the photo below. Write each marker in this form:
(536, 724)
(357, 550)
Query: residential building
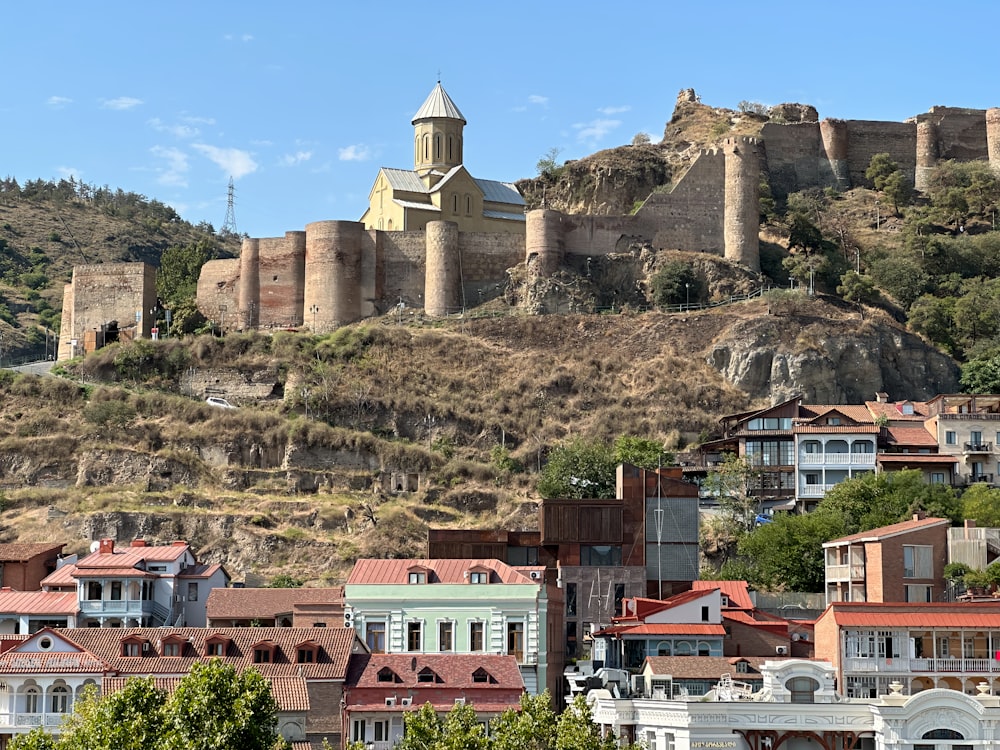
(798, 707)
(832, 443)
(29, 611)
(642, 542)
(23, 565)
(967, 426)
(44, 674)
(922, 646)
(460, 607)
(381, 688)
(267, 607)
(902, 562)
(139, 585)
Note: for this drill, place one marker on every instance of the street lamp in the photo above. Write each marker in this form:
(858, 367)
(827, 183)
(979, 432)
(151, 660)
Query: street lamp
(314, 309)
(687, 296)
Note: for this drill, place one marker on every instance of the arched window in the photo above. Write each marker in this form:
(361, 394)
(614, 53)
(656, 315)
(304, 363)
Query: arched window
(427, 147)
(943, 734)
(836, 446)
(31, 696)
(449, 148)
(802, 689)
(59, 699)
(862, 446)
(437, 147)
(468, 204)
(812, 446)
(454, 203)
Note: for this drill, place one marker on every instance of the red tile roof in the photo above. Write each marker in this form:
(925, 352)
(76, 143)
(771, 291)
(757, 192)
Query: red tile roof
(736, 591)
(60, 577)
(250, 603)
(369, 571)
(894, 411)
(664, 628)
(38, 602)
(772, 625)
(200, 571)
(24, 551)
(335, 647)
(916, 458)
(858, 429)
(884, 532)
(454, 670)
(975, 615)
(911, 435)
(290, 693)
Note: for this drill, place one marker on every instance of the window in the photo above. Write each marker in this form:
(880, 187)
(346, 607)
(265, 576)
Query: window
(60, 699)
(976, 438)
(908, 409)
(426, 675)
(387, 675)
(446, 632)
(479, 577)
(917, 593)
(358, 730)
(480, 675)
(813, 446)
(943, 648)
(157, 568)
(704, 614)
(414, 636)
(862, 446)
(31, 700)
(418, 577)
(619, 598)
(918, 561)
(770, 423)
(305, 656)
(468, 204)
(454, 203)
(381, 730)
(171, 649)
(950, 438)
(94, 591)
(116, 590)
(937, 477)
(742, 667)
(833, 421)
(515, 640)
(570, 599)
(770, 452)
(522, 555)
(812, 478)
(262, 656)
(375, 637)
(608, 555)
(131, 648)
(192, 593)
(215, 648)
(802, 689)
(477, 631)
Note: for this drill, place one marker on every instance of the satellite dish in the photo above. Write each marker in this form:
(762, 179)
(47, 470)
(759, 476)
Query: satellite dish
(94, 546)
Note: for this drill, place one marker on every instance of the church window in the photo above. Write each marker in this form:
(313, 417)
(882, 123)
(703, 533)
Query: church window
(450, 157)
(427, 147)
(468, 204)
(437, 147)
(454, 203)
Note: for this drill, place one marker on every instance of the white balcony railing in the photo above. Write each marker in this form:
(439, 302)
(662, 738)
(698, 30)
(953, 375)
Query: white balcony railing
(836, 459)
(814, 490)
(969, 666)
(845, 572)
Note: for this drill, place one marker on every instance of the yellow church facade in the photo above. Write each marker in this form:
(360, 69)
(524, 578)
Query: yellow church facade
(439, 187)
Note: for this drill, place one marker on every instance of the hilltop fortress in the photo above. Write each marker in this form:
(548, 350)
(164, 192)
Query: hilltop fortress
(437, 238)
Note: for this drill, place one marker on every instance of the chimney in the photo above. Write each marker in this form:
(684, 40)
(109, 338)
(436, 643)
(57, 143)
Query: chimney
(107, 547)
(919, 515)
(969, 524)
(138, 543)
(179, 543)
(881, 397)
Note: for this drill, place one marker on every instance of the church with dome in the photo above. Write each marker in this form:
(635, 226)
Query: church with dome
(439, 187)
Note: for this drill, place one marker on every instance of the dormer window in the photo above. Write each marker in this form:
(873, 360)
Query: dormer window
(216, 645)
(387, 675)
(417, 576)
(482, 676)
(742, 667)
(306, 652)
(171, 649)
(907, 408)
(135, 646)
(833, 421)
(264, 652)
(427, 675)
(479, 576)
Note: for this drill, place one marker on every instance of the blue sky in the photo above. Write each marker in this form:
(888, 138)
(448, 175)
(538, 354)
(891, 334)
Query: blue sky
(302, 102)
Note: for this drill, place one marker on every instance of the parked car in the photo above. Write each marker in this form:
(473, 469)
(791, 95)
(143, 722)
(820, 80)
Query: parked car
(219, 401)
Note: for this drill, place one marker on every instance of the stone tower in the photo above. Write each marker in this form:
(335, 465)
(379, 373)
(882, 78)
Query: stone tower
(741, 220)
(993, 137)
(437, 136)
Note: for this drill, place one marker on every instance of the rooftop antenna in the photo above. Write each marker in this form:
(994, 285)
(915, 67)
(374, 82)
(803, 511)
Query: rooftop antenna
(229, 223)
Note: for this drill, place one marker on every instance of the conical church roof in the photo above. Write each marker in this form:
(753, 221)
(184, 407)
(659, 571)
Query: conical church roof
(438, 105)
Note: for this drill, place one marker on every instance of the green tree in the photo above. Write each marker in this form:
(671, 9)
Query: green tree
(581, 469)
(675, 283)
(548, 166)
(732, 486)
(215, 707)
(982, 373)
(857, 288)
(881, 168)
(285, 581)
(131, 719)
(421, 729)
(109, 416)
(981, 503)
(36, 739)
(934, 317)
(900, 276)
(180, 266)
(575, 729)
(461, 730)
(641, 139)
(531, 728)
(641, 452)
(897, 189)
(787, 553)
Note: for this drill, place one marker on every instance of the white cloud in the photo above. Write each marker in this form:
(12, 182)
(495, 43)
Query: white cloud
(238, 37)
(67, 172)
(536, 99)
(122, 102)
(290, 160)
(608, 111)
(234, 162)
(595, 130)
(192, 120)
(58, 102)
(355, 152)
(178, 131)
(176, 169)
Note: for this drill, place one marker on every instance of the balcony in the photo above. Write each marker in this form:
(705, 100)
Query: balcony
(903, 665)
(30, 721)
(836, 459)
(815, 490)
(978, 447)
(845, 572)
(974, 479)
(118, 607)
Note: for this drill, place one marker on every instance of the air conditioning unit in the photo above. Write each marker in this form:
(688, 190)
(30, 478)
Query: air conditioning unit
(178, 598)
(781, 650)
(460, 701)
(407, 701)
(390, 701)
(348, 618)
(145, 647)
(536, 575)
